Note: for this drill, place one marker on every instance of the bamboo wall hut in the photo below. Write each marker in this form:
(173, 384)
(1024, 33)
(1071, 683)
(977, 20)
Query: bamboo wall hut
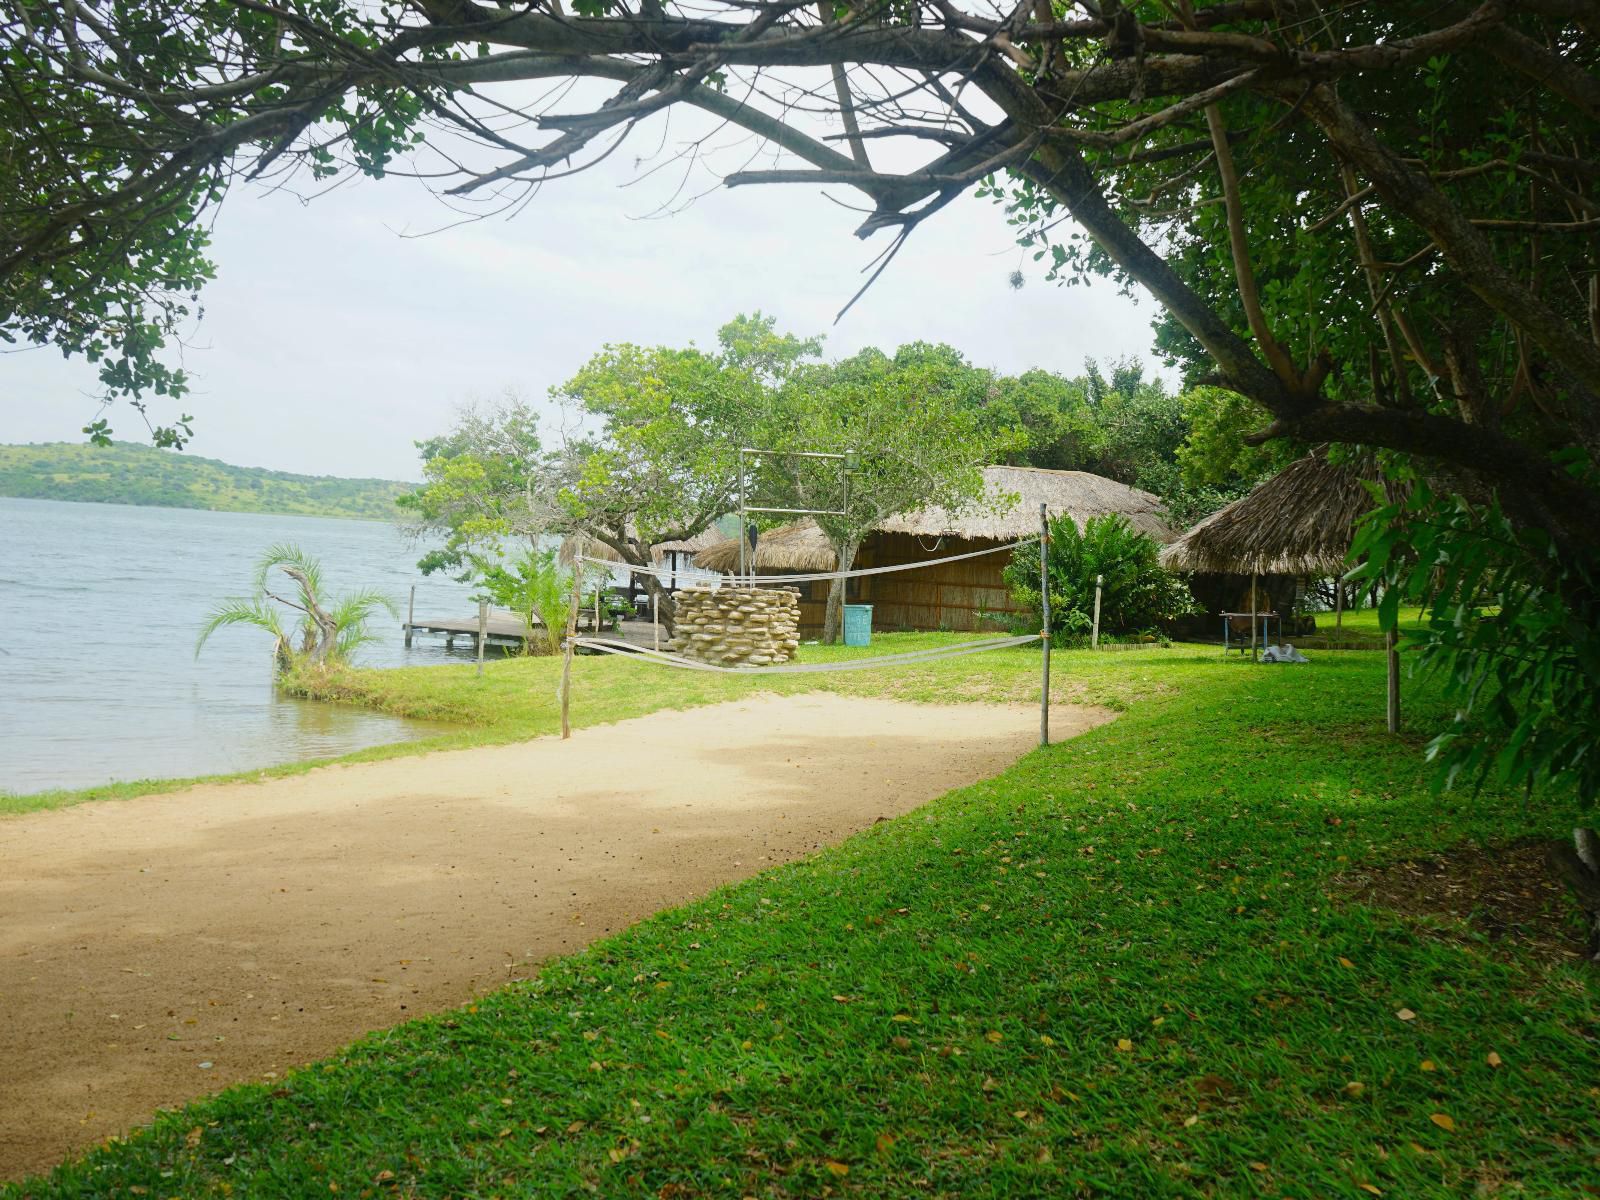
(965, 595)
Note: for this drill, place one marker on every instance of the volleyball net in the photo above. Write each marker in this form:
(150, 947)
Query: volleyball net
(621, 646)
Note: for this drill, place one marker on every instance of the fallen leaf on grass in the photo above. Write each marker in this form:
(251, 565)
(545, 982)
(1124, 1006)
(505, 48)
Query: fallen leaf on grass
(1493, 1059)
(845, 999)
(994, 1035)
(1427, 1065)
(1354, 1088)
(1124, 1045)
(1405, 1014)
(885, 1143)
(1346, 963)
(1370, 1187)
(838, 1168)
(1443, 1121)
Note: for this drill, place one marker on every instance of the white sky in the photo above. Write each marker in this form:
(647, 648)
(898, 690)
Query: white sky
(331, 343)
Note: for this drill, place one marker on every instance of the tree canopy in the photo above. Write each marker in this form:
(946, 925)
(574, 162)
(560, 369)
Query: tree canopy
(912, 432)
(1375, 221)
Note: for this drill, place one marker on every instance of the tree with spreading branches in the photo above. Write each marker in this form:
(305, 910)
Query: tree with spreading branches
(1375, 220)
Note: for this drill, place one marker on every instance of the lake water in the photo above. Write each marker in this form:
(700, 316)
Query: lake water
(99, 608)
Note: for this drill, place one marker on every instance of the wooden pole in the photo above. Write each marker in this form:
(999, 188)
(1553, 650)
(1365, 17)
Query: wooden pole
(596, 628)
(1094, 634)
(566, 662)
(1338, 613)
(411, 614)
(655, 617)
(1391, 641)
(1044, 635)
(1253, 657)
(483, 632)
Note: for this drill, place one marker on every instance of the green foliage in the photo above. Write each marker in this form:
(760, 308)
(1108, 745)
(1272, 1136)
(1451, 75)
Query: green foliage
(1512, 634)
(327, 636)
(915, 439)
(1137, 593)
(655, 457)
(533, 586)
(125, 473)
(1213, 452)
(479, 486)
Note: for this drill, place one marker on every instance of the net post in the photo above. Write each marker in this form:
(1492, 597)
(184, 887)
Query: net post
(1044, 634)
(483, 632)
(566, 661)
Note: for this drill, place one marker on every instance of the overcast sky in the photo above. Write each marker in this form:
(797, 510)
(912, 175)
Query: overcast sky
(331, 342)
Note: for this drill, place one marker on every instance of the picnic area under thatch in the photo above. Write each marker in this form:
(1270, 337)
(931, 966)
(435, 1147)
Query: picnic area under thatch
(1298, 524)
(965, 595)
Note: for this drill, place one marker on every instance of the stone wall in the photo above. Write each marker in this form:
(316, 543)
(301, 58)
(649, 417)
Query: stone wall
(737, 626)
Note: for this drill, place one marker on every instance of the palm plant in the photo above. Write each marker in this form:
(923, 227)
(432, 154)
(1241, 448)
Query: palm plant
(537, 589)
(326, 635)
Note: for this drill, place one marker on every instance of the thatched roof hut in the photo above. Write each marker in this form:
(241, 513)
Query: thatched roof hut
(1011, 509)
(961, 595)
(589, 547)
(1299, 522)
(798, 547)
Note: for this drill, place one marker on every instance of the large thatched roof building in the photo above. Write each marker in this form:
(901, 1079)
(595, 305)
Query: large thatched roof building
(962, 595)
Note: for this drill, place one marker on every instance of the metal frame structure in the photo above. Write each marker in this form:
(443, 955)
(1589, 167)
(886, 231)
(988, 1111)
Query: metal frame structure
(847, 465)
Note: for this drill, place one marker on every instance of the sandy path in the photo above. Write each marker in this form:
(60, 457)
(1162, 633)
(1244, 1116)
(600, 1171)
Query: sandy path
(255, 926)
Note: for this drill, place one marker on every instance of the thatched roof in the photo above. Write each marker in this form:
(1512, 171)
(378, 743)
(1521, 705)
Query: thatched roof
(798, 547)
(1299, 522)
(595, 548)
(1010, 512)
(1076, 494)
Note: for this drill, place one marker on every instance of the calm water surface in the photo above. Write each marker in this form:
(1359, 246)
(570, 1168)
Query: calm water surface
(99, 608)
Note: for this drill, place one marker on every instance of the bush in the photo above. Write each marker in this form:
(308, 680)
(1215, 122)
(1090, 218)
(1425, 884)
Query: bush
(1138, 593)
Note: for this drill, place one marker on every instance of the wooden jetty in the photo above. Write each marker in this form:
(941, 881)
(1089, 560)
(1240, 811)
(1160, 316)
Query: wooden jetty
(507, 629)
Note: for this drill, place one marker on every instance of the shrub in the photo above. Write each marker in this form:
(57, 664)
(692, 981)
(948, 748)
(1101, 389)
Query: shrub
(1137, 594)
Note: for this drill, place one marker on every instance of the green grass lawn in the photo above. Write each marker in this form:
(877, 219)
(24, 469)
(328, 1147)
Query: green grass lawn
(1126, 967)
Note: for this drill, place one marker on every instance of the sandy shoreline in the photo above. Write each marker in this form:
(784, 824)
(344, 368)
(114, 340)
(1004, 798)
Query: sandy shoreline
(255, 926)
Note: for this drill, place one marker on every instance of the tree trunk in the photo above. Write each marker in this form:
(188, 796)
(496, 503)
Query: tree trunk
(327, 641)
(658, 591)
(831, 620)
(1579, 865)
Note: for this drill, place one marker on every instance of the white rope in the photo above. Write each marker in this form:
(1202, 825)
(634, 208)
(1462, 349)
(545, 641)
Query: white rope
(751, 580)
(618, 646)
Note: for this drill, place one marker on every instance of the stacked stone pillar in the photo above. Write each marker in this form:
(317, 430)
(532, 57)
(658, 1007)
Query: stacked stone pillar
(737, 626)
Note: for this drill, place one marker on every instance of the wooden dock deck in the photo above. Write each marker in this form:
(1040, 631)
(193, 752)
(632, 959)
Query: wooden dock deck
(506, 629)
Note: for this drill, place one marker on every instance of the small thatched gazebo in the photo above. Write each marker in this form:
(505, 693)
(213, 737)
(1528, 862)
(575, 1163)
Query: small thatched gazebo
(675, 555)
(1300, 522)
(798, 547)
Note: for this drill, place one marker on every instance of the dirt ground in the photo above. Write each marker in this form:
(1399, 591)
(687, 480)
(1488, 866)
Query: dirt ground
(1507, 894)
(157, 949)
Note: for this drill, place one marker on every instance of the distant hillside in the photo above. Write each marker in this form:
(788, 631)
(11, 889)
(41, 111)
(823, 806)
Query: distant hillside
(126, 473)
